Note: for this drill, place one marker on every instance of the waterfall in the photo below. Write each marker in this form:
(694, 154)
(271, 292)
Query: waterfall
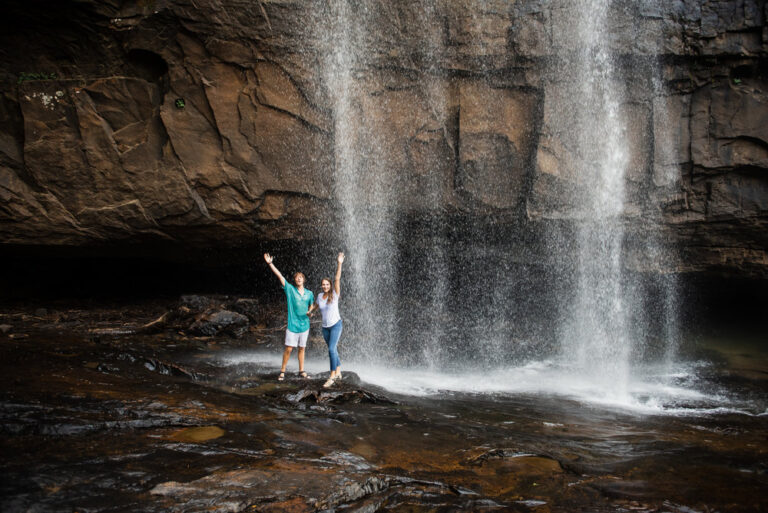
(370, 195)
(414, 301)
(617, 306)
(588, 119)
(361, 185)
(431, 331)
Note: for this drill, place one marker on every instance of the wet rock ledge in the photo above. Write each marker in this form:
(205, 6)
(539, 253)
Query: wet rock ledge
(132, 409)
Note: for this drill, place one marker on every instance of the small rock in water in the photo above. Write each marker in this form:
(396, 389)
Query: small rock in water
(41, 312)
(5, 328)
(223, 321)
(301, 395)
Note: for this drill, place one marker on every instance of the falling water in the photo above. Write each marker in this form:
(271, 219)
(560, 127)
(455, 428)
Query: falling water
(596, 335)
(607, 330)
(430, 333)
(362, 186)
(605, 306)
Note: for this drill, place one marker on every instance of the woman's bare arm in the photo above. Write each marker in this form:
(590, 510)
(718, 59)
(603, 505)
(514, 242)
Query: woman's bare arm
(337, 279)
(269, 259)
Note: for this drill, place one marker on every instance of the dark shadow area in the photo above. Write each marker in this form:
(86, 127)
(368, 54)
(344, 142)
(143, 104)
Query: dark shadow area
(479, 284)
(71, 40)
(145, 272)
(54, 40)
(715, 305)
(147, 65)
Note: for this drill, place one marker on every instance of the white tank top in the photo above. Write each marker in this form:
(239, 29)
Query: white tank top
(330, 310)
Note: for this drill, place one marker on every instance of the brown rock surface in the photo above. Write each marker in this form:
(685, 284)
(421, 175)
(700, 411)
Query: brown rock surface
(496, 135)
(212, 125)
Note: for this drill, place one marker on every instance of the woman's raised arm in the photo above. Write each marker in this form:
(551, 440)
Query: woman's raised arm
(268, 258)
(337, 279)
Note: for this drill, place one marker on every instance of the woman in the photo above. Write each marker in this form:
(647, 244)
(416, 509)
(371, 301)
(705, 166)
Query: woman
(328, 303)
(300, 303)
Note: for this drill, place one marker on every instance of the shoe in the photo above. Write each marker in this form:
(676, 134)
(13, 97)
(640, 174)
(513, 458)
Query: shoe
(303, 374)
(338, 375)
(281, 377)
(328, 383)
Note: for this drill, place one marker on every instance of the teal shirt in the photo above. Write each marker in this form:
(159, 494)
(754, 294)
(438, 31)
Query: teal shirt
(298, 320)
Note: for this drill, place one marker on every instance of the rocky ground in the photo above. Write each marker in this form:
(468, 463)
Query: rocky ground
(134, 408)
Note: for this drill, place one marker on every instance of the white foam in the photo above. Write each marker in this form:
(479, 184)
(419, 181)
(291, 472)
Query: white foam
(652, 393)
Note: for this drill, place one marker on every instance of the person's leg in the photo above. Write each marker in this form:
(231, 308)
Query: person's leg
(333, 348)
(286, 356)
(338, 359)
(302, 347)
(327, 338)
(291, 341)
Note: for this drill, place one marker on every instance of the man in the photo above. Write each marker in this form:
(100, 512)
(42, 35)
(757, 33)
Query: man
(300, 303)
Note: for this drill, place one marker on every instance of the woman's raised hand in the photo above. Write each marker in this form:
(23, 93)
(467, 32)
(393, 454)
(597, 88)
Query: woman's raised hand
(268, 258)
(337, 278)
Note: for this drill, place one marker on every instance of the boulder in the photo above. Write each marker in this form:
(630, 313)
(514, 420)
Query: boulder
(220, 322)
(248, 307)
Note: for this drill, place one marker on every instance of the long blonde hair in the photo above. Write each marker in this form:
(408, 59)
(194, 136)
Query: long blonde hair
(328, 296)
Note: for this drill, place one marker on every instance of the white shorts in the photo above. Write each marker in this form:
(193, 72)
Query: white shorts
(296, 339)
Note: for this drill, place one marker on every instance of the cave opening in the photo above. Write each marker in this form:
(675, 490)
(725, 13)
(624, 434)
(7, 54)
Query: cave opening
(709, 302)
(147, 65)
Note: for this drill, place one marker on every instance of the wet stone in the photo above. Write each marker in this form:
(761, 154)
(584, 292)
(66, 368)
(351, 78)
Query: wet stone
(622, 489)
(267, 388)
(155, 422)
(248, 307)
(172, 369)
(196, 303)
(198, 434)
(223, 321)
(347, 395)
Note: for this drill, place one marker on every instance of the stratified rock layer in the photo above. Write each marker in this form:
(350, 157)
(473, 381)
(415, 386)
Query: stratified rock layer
(213, 124)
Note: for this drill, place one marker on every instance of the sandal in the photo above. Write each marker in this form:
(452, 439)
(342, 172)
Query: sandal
(281, 377)
(328, 383)
(303, 374)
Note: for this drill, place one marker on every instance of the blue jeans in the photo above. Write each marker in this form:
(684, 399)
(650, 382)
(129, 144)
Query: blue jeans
(331, 336)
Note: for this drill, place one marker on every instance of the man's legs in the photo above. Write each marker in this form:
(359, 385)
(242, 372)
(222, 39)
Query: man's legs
(287, 355)
(301, 359)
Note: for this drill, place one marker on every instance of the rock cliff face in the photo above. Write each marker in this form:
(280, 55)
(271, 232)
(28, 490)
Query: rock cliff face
(212, 123)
